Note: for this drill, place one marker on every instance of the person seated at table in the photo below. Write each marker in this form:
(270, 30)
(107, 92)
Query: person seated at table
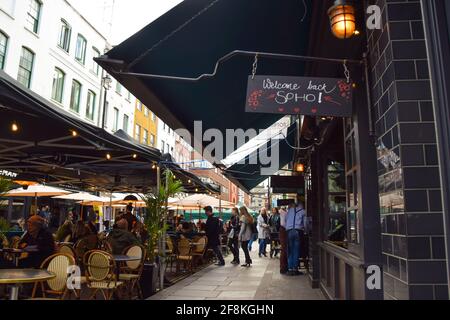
(65, 230)
(91, 225)
(140, 232)
(38, 238)
(80, 231)
(120, 238)
(186, 230)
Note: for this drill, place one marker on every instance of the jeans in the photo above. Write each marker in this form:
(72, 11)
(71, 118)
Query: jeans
(218, 251)
(244, 245)
(251, 241)
(293, 249)
(233, 244)
(262, 246)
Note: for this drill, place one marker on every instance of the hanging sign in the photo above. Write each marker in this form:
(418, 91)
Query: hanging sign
(299, 95)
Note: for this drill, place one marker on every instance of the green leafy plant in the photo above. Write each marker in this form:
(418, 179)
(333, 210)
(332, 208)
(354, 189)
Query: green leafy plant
(156, 212)
(5, 186)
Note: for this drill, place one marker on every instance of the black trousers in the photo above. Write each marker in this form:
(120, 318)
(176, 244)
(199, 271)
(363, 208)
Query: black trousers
(244, 245)
(218, 251)
(233, 244)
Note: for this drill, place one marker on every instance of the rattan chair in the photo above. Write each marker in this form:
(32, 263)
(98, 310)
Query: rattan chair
(100, 273)
(198, 250)
(171, 253)
(59, 265)
(184, 254)
(132, 271)
(66, 249)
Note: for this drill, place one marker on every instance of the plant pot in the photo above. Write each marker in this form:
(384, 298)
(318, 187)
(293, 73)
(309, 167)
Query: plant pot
(149, 279)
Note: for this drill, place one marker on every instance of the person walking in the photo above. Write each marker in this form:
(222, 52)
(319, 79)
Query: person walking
(295, 227)
(213, 232)
(245, 234)
(263, 232)
(233, 236)
(283, 242)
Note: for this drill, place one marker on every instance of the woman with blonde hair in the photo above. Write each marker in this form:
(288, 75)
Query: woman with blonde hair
(246, 234)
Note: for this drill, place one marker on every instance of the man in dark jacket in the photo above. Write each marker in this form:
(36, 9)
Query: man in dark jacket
(213, 234)
(120, 238)
(38, 241)
(130, 217)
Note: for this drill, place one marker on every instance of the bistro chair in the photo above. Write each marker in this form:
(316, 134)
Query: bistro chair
(57, 264)
(66, 249)
(100, 273)
(105, 245)
(184, 254)
(15, 242)
(132, 271)
(171, 253)
(199, 250)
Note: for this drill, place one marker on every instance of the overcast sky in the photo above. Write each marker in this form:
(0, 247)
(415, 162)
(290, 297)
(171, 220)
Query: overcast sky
(129, 16)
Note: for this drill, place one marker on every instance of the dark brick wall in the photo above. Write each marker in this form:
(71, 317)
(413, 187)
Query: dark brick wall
(408, 170)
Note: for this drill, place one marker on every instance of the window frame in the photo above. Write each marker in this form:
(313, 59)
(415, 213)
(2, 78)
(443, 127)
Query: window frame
(116, 115)
(36, 20)
(137, 132)
(126, 121)
(83, 58)
(5, 53)
(91, 94)
(145, 136)
(80, 86)
(95, 68)
(30, 71)
(67, 37)
(58, 98)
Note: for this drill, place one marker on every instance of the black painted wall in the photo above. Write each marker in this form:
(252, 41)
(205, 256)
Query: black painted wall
(413, 245)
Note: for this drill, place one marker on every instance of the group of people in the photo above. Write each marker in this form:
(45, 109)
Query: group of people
(284, 227)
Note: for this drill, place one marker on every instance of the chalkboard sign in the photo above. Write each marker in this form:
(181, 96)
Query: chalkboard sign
(299, 95)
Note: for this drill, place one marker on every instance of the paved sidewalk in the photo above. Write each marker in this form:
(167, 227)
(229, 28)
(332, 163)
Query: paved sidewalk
(262, 281)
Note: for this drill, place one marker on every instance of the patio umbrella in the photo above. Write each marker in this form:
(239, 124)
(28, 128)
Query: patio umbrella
(36, 191)
(82, 197)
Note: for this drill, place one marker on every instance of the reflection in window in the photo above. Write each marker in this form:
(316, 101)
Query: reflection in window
(337, 224)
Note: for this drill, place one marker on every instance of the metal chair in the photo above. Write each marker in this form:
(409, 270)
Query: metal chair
(58, 264)
(100, 273)
(132, 271)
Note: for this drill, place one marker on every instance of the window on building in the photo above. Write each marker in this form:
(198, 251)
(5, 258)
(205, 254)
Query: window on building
(145, 137)
(152, 140)
(139, 105)
(128, 95)
(163, 146)
(75, 96)
(118, 87)
(153, 117)
(3, 48)
(137, 133)
(64, 36)
(34, 15)
(90, 106)
(164, 126)
(146, 112)
(95, 67)
(116, 120)
(25, 67)
(8, 6)
(80, 51)
(126, 120)
(58, 85)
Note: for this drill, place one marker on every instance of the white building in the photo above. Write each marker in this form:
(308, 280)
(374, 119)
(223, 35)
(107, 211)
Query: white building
(166, 138)
(49, 47)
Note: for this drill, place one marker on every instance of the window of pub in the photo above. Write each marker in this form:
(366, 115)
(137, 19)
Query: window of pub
(337, 224)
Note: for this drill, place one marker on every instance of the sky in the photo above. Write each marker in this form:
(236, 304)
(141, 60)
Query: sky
(128, 17)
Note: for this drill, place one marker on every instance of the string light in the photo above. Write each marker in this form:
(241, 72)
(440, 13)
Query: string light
(135, 156)
(108, 156)
(74, 133)
(14, 127)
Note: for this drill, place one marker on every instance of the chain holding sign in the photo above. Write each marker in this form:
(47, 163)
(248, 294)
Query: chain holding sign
(300, 95)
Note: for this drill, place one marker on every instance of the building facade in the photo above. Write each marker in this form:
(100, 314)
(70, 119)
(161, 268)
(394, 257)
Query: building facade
(145, 125)
(49, 47)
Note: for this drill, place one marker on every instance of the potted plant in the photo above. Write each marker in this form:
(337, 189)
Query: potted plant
(5, 185)
(155, 222)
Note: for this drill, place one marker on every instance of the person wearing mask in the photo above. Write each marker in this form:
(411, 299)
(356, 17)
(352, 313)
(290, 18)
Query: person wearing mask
(245, 234)
(213, 231)
(120, 238)
(233, 236)
(39, 241)
(295, 227)
(283, 242)
(263, 232)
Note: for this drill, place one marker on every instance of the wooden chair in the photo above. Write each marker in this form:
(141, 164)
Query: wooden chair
(132, 271)
(199, 250)
(171, 252)
(100, 273)
(58, 264)
(184, 254)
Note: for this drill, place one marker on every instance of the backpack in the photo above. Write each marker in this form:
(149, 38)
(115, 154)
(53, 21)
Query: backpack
(254, 227)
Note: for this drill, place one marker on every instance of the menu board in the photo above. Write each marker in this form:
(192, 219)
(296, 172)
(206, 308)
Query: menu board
(299, 95)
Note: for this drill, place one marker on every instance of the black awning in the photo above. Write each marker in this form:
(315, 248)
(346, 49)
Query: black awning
(248, 176)
(179, 45)
(54, 146)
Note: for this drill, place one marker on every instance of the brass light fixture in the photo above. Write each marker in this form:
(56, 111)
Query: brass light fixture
(342, 19)
(300, 167)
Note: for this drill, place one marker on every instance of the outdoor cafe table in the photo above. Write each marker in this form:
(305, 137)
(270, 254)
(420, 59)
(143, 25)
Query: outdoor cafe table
(17, 252)
(15, 277)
